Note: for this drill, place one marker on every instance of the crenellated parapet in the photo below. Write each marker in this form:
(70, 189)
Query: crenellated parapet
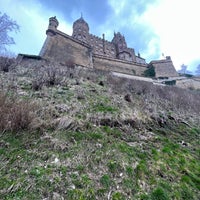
(117, 48)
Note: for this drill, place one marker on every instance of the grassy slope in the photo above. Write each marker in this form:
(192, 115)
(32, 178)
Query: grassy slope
(91, 142)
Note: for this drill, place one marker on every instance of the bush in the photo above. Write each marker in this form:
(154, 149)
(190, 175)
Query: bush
(37, 84)
(150, 72)
(15, 114)
(5, 63)
(172, 82)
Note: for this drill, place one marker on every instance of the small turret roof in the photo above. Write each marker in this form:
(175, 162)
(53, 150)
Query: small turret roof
(81, 21)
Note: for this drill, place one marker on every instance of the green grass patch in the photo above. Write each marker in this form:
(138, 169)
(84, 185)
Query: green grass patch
(159, 194)
(104, 108)
(105, 181)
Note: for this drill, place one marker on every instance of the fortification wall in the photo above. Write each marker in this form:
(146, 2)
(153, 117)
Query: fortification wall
(115, 65)
(99, 53)
(164, 68)
(64, 49)
(102, 47)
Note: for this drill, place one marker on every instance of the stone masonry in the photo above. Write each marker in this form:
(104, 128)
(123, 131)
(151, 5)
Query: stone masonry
(88, 50)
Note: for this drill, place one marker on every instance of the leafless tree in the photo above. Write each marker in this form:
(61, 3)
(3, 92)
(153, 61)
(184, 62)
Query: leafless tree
(7, 25)
(198, 70)
(183, 69)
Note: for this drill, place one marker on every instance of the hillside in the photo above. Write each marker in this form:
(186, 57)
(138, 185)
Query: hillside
(75, 133)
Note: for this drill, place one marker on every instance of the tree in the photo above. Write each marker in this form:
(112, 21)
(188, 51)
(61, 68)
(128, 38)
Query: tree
(150, 72)
(7, 25)
(183, 69)
(198, 70)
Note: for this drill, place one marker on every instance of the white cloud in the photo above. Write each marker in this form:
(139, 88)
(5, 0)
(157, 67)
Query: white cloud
(176, 24)
(33, 21)
(117, 6)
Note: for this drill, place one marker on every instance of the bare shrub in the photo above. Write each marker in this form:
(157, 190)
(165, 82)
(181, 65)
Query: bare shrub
(158, 97)
(37, 84)
(5, 63)
(53, 76)
(15, 114)
(48, 76)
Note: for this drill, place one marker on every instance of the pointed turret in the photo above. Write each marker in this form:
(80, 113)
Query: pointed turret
(81, 30)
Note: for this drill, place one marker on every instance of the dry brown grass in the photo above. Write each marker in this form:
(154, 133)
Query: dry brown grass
(171, 97)
(15, 114)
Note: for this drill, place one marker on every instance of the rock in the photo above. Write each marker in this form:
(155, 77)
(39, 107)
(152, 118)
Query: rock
(127, 97)
(67, 123)
(61, 108)
(98, 145)
(22, 93)
(57, 196)
(183, 143)
(63, 122)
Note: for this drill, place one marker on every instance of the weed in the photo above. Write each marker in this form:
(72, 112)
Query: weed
(159, 194)
(80, 168)
(129, 171)
(113, 166)
(186, 193)
(155, 154)
(141, 169)
(105, 181)
(104, 108)
(124, 148)
(118, 196)
(144, 197)
(95, 136)
(128, 184)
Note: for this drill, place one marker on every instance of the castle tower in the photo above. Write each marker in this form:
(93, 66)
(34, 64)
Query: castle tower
(123, 52)
(81, 30)
(51, 31)
(120, 42)
(53, 24)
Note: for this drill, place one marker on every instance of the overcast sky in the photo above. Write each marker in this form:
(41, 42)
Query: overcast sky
(151, 27)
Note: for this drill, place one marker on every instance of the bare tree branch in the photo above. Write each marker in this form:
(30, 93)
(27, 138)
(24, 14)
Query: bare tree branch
(7, 25)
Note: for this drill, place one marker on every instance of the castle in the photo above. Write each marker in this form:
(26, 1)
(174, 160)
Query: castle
(85, 49)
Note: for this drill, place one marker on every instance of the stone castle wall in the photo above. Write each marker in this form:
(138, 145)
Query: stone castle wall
(164, 68)
(116, 65)
(85, 49)
(101, 46)
(64, 49)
